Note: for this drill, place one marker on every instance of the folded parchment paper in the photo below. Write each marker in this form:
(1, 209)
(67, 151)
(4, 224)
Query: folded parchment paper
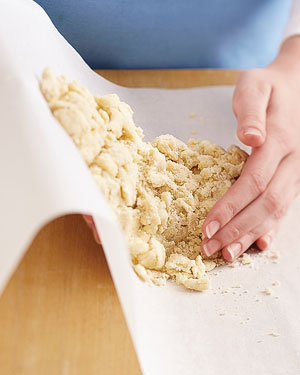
(223, 331)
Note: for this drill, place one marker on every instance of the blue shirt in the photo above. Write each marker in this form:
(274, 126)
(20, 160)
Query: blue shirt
(122, 34)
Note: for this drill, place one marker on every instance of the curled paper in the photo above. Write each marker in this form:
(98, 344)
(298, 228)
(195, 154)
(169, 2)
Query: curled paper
(43, 176)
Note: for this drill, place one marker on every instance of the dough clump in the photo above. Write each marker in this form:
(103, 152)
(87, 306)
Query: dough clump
(161, 192)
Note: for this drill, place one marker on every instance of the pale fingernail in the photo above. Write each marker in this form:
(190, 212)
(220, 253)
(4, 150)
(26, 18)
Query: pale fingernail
(88, 219)
(96, 236)
(252, 131)
(234, 249)
(211, 247)
(212, 228)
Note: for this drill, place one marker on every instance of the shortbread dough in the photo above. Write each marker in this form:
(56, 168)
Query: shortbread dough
(160, 192)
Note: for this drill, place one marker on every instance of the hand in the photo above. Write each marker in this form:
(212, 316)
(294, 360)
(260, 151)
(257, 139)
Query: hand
(267, 107)
(90, 222)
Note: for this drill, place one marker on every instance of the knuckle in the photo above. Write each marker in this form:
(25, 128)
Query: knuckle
(281, 212)
(273, 202)
(262, 88)
(249, 238)
(280, 138)
(259, 181)
(233, 233)
(230, 209)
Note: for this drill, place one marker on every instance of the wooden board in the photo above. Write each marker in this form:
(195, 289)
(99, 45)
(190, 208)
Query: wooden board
(60, 313)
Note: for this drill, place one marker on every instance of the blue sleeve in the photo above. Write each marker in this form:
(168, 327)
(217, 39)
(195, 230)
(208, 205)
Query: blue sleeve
(171, 33)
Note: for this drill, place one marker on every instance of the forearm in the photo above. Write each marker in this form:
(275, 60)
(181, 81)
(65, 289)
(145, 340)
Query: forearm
(288, 57)
(289, 53)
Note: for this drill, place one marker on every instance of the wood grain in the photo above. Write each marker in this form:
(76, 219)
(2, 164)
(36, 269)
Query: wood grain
(60, 314)
(171, 78)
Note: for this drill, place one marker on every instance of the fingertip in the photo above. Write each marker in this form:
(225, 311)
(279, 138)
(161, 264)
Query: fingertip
(96, 236)
(263, 242)
(227, 255)
(209, 247)
(261, 245)
(211, 228)
(91, 224)
(252, 137)
(88, 218)
(203, 247)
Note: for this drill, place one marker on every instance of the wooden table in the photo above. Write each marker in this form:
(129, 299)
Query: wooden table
(60, 314)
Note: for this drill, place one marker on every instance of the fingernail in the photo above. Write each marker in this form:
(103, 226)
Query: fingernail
(234, 249)
(96, 236)
(212, 228)
(211, 247)
(88, 218)
(252, 131)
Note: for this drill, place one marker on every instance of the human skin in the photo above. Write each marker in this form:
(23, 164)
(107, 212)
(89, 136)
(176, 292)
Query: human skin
(266, 105)
(90, 222)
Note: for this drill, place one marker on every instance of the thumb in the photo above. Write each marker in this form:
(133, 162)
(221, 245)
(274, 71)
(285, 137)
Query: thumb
(250, 103)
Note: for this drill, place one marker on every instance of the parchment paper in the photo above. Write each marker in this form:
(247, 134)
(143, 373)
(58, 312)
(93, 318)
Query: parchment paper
(223, 331)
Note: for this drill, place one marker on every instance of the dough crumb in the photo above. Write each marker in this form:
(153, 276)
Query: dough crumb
(276, 283)
(209, 265)
(268, 291)
(160, 192)
(272, 254)
(274, 334)
(246, 259)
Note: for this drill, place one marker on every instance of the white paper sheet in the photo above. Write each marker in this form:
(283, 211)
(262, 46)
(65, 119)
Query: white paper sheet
(43, 176)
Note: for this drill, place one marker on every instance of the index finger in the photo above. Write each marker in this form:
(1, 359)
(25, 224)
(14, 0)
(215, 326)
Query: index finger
(255, 177)
(250, 103)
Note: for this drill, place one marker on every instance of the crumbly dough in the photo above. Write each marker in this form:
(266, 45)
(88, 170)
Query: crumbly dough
(268, 291)
(246, 259)
(161, 192)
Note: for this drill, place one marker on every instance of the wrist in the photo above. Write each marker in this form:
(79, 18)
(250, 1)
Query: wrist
(288, 59)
